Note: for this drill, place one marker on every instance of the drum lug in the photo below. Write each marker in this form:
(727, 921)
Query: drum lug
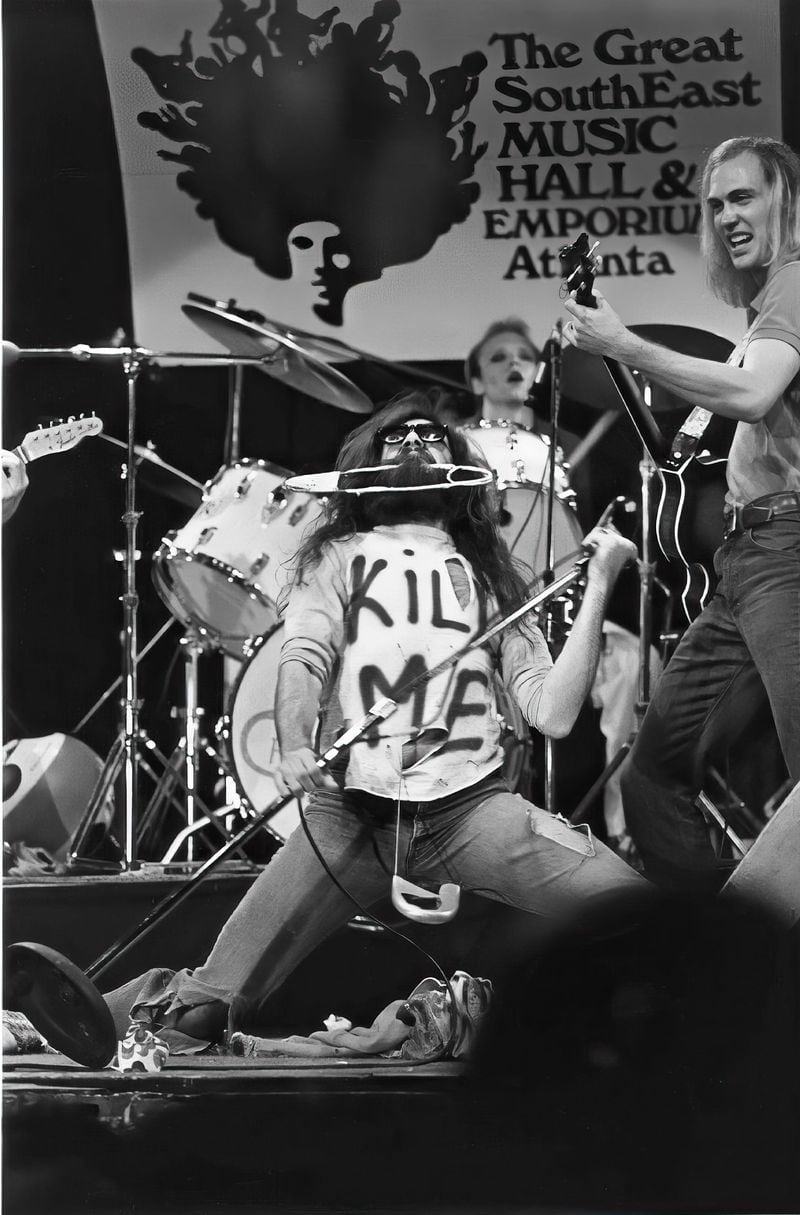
(259, 564)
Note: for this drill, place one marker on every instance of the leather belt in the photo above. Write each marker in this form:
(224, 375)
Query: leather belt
(740, 518)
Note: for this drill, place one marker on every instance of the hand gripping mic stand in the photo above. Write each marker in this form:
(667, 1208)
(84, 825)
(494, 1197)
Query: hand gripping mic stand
(62, 1001)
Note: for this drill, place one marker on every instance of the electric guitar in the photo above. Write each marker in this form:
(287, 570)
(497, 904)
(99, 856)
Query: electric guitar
(688, 532)
(45, 441)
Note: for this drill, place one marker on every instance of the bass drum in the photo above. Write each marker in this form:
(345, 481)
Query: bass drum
(223, 571)
(521, 461)
(254, 740)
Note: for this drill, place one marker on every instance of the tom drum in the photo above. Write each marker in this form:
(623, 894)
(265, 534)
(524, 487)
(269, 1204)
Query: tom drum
(254, 741)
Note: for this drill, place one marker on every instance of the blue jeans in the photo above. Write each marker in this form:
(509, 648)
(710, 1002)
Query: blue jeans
(485, 839)
(743, 647)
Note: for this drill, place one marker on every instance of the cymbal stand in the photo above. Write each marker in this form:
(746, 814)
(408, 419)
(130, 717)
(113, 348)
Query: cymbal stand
(231, 454)
(646, 564)
(180, 771)
(549, 573)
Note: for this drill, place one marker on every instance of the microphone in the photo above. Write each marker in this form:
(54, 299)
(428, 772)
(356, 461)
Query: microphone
(540, 388)
(457, 476)
(445, 903)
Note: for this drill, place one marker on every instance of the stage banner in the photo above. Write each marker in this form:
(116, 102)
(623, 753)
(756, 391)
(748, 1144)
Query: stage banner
(398, 173)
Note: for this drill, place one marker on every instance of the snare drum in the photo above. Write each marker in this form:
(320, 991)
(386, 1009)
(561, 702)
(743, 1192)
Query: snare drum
(222, 572)
(522, 463)
(253, 738)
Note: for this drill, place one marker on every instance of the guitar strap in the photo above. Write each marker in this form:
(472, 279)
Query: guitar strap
(694, 427)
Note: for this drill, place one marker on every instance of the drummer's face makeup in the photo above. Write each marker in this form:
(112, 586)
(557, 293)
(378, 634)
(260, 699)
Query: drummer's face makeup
(415, 435)
(507, 365)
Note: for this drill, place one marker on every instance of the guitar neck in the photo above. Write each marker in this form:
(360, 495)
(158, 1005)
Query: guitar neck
(646, 428)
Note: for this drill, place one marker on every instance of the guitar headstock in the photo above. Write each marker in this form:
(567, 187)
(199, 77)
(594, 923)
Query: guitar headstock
(579, 265)
(58, 437)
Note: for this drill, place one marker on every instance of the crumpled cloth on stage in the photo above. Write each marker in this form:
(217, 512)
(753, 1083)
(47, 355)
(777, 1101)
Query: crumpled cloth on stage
(422, 1028)
(20, 1037)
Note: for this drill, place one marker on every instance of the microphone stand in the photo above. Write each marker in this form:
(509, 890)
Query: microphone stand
(122, 762)
(549, 572)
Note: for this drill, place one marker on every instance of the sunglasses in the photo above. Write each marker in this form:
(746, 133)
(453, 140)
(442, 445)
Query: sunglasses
(428, 432)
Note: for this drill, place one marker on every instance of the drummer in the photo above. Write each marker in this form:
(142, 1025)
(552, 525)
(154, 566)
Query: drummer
(501, 368)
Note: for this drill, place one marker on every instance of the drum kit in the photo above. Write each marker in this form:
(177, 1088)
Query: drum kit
(222, 572)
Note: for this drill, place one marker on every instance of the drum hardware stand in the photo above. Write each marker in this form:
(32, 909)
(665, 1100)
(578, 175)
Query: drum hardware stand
(549, 573)
(62, 1001)
(647, 470)
(121, 762)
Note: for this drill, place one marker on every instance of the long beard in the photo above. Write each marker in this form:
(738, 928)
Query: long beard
(424, 505)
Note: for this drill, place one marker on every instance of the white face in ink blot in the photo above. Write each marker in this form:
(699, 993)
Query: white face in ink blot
(313, 249)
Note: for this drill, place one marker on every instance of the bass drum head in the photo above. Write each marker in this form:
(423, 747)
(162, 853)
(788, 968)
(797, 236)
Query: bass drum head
(254, 740)
(223, 572)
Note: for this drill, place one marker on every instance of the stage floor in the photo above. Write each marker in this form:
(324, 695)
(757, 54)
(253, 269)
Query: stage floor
(213, 1134)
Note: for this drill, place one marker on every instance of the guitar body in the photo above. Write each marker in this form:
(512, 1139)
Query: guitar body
(689, 527)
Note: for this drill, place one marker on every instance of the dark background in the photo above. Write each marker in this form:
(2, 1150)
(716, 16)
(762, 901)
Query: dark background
(67, 282)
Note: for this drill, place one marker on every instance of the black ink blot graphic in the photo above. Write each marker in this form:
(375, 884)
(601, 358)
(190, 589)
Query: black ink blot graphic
(295, 120)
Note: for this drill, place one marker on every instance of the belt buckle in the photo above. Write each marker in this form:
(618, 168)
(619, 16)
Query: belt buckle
(733, 522)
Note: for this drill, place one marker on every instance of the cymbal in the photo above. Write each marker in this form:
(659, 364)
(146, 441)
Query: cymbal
(162, 478)
(288, 359)
(584, 377)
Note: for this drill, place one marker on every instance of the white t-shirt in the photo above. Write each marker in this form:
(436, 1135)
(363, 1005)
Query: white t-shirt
(382, 607)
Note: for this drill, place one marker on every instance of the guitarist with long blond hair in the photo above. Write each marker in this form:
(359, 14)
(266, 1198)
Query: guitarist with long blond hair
(745, 645)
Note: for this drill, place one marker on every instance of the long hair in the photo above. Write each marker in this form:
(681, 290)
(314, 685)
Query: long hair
(781, 168)
(474, 526)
